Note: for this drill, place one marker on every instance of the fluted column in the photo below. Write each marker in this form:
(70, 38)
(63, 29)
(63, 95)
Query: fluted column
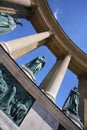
(19, 47)
(82, 87)
(53, 81)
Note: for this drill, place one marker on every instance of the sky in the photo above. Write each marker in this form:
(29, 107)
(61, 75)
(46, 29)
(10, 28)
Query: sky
(71, 15)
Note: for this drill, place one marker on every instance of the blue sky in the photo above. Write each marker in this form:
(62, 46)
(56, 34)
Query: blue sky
(71, 15)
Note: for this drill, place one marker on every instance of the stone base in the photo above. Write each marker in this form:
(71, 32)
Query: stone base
(39, 119)
(29, 73)
(75, 119)
(6, 123)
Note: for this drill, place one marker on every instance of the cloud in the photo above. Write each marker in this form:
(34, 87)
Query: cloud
(57, 13)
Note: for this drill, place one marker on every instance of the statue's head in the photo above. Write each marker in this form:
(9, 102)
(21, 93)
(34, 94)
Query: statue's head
(75, 88)
(44, 58)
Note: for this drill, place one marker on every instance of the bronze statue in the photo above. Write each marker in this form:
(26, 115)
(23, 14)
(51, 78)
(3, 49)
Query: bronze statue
(7, 23)
(7, 101)
(70, 108)
(18, 112)
(6, 95)
(34, 67)
(72, 102)
(20, 109)
(11, 102)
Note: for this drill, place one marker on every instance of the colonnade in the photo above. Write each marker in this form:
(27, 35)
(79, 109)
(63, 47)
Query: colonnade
(18, 46)
(51, 84)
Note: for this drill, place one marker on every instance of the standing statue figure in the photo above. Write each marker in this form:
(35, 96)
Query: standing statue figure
(70, 108)
(7, 23)
(34, 67)
(72, 102)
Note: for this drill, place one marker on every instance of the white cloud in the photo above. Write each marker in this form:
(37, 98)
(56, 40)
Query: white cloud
(57, 12)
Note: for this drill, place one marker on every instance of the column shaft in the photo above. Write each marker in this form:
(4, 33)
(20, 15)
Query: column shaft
(53, 81)
(25, 3)
(82, 87)
(22, 46)
(17, 8)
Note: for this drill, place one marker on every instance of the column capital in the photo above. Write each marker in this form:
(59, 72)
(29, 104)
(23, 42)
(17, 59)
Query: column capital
(69, 53)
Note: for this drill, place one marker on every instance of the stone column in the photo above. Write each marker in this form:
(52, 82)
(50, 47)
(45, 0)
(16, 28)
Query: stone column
(26, 3)
(19, 47)
(53, 81)
(17, 8)
(82, 87)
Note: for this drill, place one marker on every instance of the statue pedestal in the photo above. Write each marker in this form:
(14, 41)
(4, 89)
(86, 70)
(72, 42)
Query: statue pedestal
(75, 119)
(29, 73)
(6, 123)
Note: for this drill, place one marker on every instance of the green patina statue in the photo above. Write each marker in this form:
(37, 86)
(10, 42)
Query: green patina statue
(72, 102)
(20, 109)
(34, 66)
(15, 108)
(7, 101)
(70, 108)
(6, 96)
(7, 23)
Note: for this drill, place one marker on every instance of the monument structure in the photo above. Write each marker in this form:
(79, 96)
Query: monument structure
(43, 113)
